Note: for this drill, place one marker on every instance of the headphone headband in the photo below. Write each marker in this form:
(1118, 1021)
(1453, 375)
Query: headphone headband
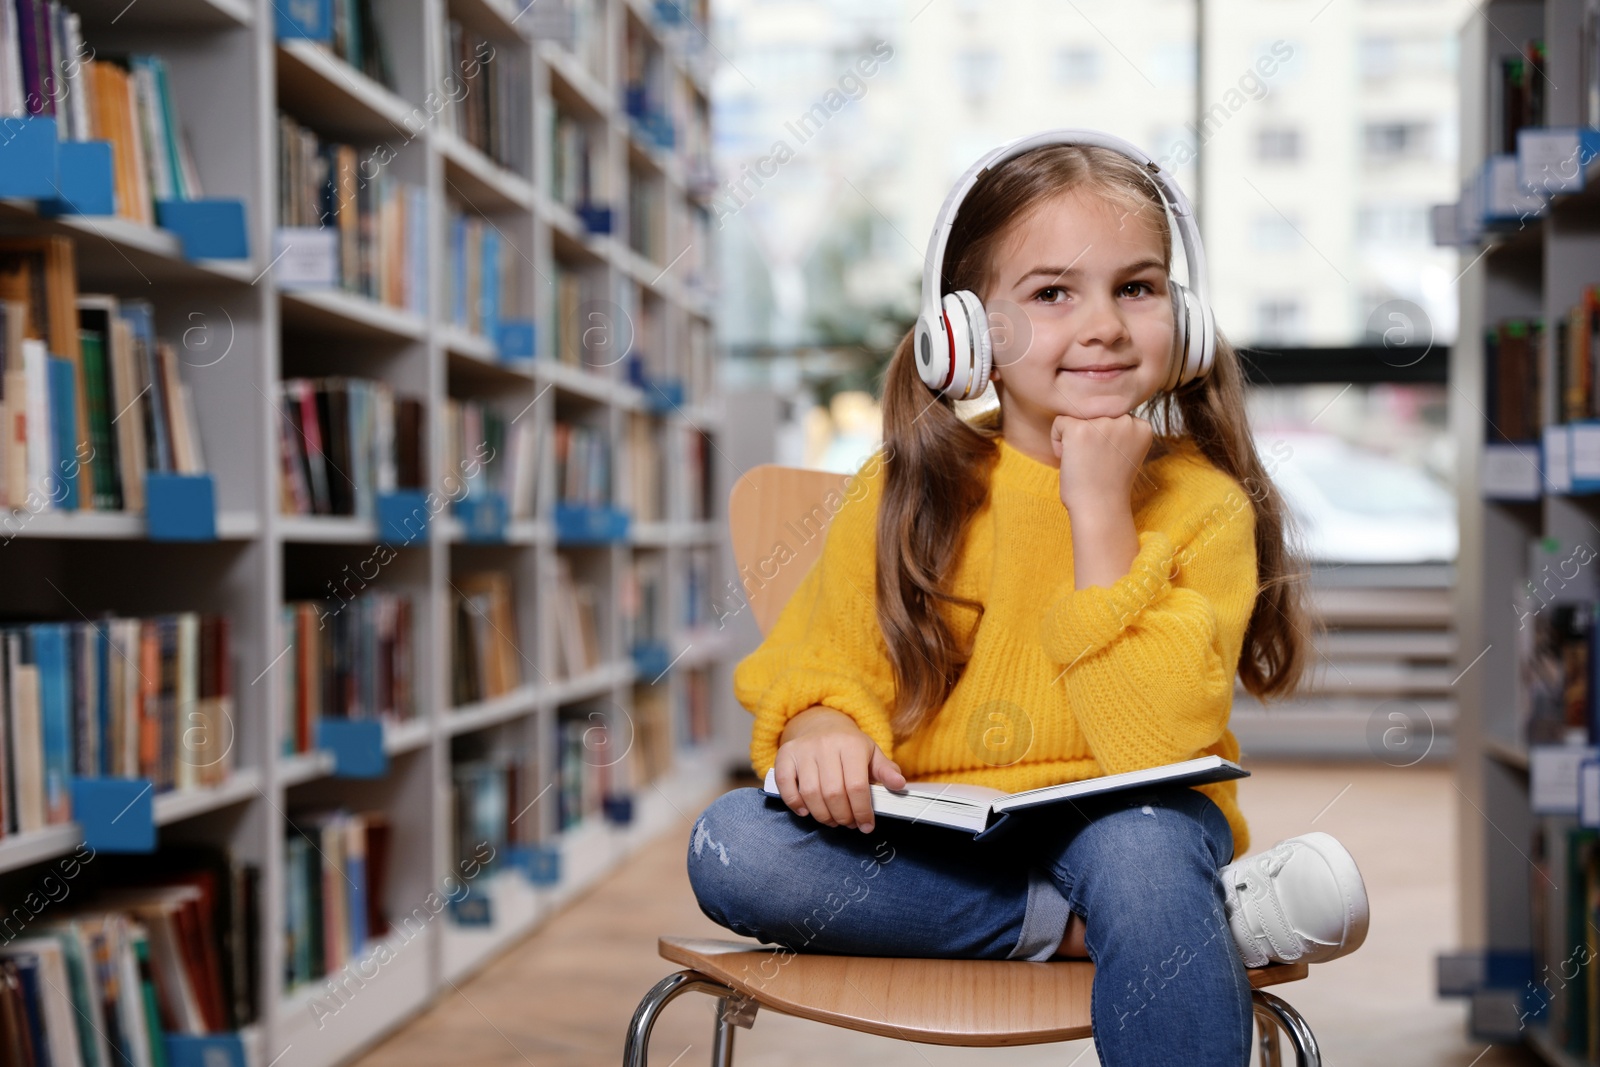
(1183, 215)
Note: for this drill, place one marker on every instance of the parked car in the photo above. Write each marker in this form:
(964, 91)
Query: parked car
(1355, 505)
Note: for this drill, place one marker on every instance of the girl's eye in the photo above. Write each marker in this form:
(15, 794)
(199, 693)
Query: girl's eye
(1050, 294)
(1146, 286)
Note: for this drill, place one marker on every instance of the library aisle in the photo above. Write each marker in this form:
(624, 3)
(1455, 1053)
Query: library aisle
(563, 999)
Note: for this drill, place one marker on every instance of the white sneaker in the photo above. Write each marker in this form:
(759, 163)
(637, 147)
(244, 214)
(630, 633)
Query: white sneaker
(1302, 899)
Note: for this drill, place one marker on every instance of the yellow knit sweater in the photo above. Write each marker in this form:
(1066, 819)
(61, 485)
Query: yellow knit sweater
(1063, 684)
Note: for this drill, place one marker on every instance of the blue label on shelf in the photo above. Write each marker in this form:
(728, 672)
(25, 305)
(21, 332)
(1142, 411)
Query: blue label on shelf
(474, 910)
(542, 864)
(180, 507)
(664, 395)
(515, 339)
(651, 659)
(29, 156)
(483, 517)
(596, 218)
(310, 20)
(84, 183)
(115, 814)
(210, 1050)
(207, 229)
(577, 524)
(403, 517)
(357, 747)
(618, 808)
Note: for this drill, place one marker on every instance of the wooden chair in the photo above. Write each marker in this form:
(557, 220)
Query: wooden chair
(969, 1003)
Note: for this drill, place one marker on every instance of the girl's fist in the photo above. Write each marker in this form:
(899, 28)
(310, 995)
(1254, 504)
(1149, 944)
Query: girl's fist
(1099, 457)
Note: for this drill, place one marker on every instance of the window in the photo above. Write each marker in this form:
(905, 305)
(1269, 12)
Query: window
(1077, 66)
(1396, 223)
(1172, 63)
(1278, 320)
(1397, 142)
(1277, 144)
(1271, 232)
(977, 70)
(1383, 56)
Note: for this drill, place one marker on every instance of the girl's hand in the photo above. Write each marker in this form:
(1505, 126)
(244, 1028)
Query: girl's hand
(826, 769)
(1099, 458)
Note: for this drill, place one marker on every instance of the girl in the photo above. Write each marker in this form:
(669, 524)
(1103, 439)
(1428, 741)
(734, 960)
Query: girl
(1049, 591)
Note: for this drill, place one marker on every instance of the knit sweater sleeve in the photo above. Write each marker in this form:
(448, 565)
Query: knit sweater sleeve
(826, 647)
(1149, 661)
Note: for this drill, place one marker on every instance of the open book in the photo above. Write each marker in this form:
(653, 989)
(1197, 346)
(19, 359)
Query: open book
(981, 809)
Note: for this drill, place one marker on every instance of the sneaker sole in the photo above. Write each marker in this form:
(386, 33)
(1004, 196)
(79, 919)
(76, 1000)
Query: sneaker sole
(1351, 889)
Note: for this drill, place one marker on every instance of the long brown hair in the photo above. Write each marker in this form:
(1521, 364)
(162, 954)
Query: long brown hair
(938, 463)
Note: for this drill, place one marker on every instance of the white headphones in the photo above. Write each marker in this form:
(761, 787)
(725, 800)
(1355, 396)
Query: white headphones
(952, 344)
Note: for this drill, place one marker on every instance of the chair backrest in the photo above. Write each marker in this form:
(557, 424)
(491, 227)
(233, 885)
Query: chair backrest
(776, 519)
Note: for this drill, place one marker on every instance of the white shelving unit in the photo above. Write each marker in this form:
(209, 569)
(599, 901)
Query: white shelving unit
(1532, 268)
(231, 78)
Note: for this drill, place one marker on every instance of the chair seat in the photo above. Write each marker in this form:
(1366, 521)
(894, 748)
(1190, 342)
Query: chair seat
(941, 1002)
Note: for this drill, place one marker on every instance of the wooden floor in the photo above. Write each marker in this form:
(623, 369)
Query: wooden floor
(563, 997)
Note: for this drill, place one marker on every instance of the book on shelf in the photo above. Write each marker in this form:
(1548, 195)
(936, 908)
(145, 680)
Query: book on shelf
(490, 110)
(486, 281)
(487, 455)
(696, 707)
(342, 441)
(376, 224)
(699, 608)
(487, 660)
(581, 332)
(351, 655)
(335, 879)
(583, 465)
(699, 467)
(47, 68)
(1517, 89)
(38, 275)
(575, 172)
(642, 599)
(159, 948)
(590, 765)
(646, 216)
(1557, 607)
(491, 797)
(577, 622)
(652, 729)
(114, 697)
(979, 808)
(1514, 381)
(647, 467)
(360, 41)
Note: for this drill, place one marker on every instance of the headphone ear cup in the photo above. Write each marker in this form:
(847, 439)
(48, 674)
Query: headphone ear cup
(1180, 334)
(971, 346)
(1196, 341)
(981, 347)
(1207, 354)
(932, 354)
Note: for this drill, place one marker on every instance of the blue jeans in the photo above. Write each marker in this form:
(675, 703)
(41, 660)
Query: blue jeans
(1139, 867)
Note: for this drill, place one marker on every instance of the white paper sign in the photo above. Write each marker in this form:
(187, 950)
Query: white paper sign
(1553, 777)
(1510, 472)
(306, 257)
(1557, 460)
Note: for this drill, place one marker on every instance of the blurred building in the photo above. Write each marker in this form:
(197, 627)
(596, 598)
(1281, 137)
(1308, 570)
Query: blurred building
(1326, 130)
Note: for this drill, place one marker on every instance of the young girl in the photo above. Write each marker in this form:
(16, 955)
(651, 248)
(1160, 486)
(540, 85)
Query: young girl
(1051, 591)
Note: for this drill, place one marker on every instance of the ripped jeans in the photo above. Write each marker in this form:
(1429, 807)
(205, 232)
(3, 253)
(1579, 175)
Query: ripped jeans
(1140, 867)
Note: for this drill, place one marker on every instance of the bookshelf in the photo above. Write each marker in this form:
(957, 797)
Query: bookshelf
(567, 201)
(1522, 373)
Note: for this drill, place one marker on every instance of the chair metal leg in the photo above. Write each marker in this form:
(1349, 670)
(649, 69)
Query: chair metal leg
(636, 1049)
(1267, 1027)
(731, 1011)
(1273, 1012)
